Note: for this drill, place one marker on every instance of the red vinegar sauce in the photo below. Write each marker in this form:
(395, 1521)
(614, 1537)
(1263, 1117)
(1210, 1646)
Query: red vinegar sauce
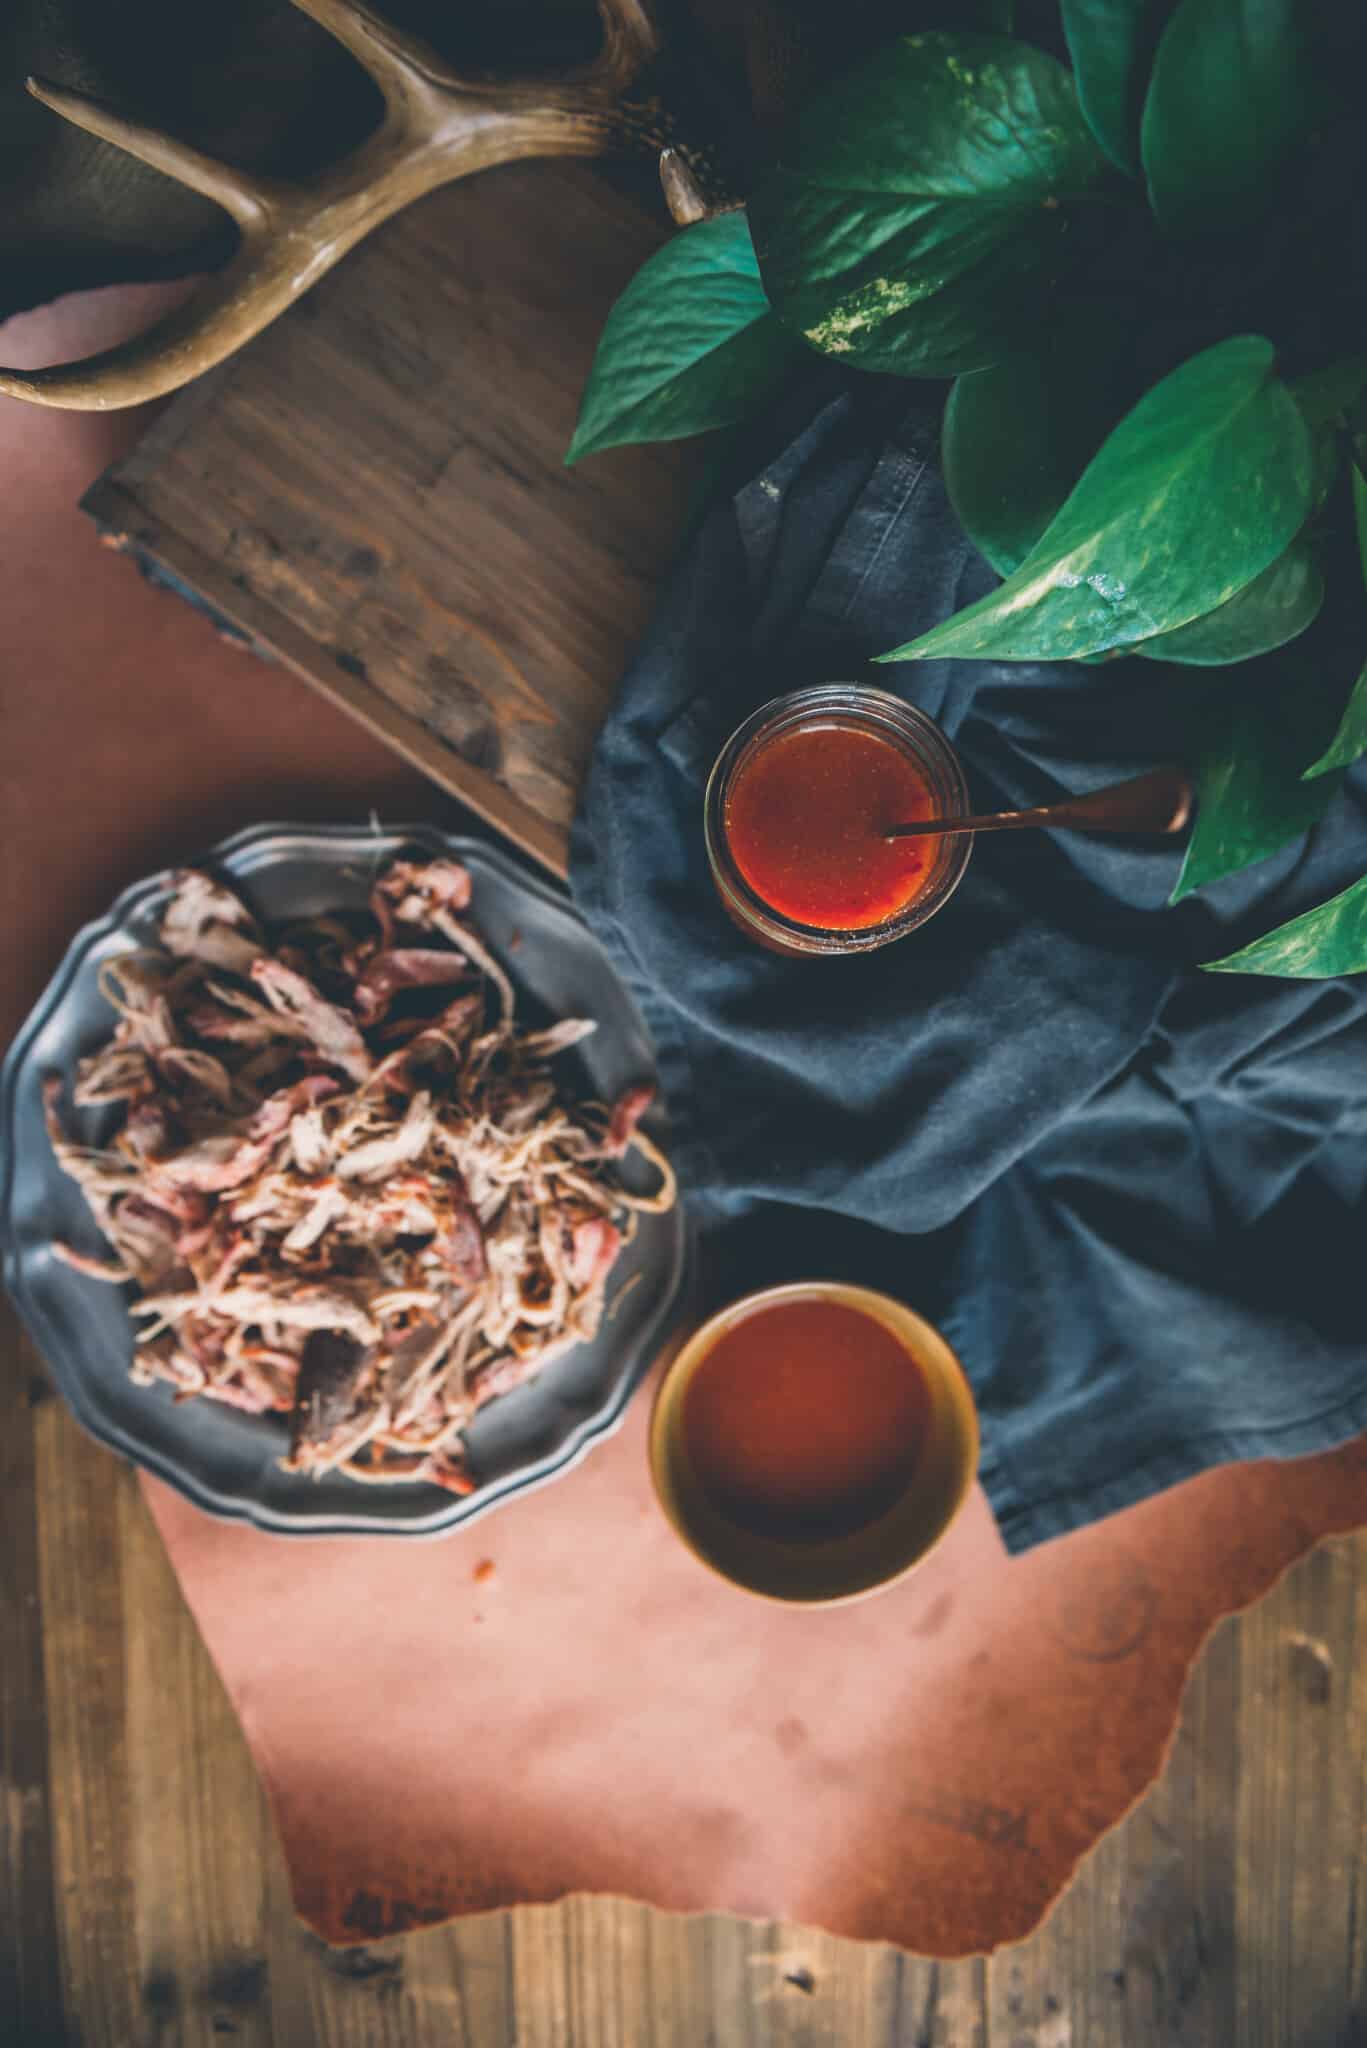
(806, 1420)
(806, 816)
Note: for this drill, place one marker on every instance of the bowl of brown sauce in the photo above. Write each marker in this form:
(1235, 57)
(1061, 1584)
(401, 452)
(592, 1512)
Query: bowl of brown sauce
(813, 1442)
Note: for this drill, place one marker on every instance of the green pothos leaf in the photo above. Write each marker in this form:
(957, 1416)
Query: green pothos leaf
(1017, 437)
(1356, 471)
(919, 212)
(1112, 45)
(1197, 491)
(1232, 94)
(1264, 615)
(1251, 797)
(1251, 741)
(1327, 396)
(1327, 442)
(1331, 939)
(1350, 741)
(690, 344)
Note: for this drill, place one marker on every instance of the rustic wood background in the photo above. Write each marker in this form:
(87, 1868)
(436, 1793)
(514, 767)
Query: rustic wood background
(143, 1898)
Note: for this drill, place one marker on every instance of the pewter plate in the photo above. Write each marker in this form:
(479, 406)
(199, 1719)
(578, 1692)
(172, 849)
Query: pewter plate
(227, 1461)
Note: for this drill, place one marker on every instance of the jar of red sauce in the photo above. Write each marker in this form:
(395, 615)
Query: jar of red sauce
(797, 811)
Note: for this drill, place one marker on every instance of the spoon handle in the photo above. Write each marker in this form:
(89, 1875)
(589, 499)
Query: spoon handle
(1157, 802)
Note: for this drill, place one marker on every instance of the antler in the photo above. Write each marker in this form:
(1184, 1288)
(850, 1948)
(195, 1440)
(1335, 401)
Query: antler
(437, 127)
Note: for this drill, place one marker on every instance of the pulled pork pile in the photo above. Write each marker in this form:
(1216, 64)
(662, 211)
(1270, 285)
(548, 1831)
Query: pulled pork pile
(346, 1191)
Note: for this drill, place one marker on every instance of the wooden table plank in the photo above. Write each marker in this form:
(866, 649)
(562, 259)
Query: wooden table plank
(202, 1832)
(93, 1824)
(951, 1999)
(29, 1977)
(1302, 1816)
(1140, 1949)
(461, 1982)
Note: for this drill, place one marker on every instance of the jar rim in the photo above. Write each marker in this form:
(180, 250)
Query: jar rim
(904, 723)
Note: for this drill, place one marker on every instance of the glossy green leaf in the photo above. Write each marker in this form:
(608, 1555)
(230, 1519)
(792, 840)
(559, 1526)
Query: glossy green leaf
(1328, 445)
(1265, 614)
(1329, 940)
(1327, 396)
(1349, 743)
(1199, 488)
(1231, 97)
(1326, 399)
(690, 344)
(1251, 745)
(1360, 503)
(1017, 437)
(1112, 45)
(918, 214)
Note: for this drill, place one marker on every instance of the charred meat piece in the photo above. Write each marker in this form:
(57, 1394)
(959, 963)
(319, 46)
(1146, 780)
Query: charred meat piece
(332, 1368)
(384, 974)
(412, 890)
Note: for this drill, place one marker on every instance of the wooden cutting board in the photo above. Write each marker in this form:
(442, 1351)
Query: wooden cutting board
(373, 492)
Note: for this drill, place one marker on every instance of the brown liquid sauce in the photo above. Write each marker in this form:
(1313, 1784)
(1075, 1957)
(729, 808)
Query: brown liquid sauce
(806, 1420)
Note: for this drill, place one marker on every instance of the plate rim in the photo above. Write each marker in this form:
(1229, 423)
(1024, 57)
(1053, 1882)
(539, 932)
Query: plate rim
(460, 1510)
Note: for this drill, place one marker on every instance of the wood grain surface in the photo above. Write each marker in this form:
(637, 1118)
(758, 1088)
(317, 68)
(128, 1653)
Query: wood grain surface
(147, 1901)
(375, 492)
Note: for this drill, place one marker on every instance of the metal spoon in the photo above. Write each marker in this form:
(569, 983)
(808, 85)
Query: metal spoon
(1157, 802)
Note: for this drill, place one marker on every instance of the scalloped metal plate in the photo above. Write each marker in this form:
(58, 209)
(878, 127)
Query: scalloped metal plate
(226, 1461)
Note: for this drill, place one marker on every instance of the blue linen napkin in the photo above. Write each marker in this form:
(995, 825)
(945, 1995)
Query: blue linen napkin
(1130, 1193)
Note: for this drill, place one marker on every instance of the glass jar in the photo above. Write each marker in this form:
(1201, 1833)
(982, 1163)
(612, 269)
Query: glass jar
(926, 759)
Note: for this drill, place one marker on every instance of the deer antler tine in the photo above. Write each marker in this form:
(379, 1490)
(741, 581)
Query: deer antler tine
(259, 280)
(246, 198)
(398, 63)
(682, 194)
(630, 40)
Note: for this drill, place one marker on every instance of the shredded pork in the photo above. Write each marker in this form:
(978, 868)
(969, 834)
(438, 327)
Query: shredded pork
(346, 1186)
